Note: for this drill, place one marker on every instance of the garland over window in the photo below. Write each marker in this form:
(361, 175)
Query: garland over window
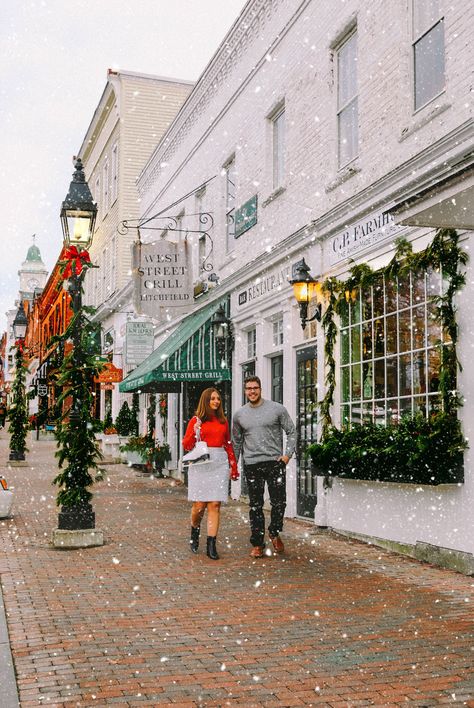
(399, 452)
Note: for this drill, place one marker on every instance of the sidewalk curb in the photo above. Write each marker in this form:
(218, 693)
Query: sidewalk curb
(7, 673)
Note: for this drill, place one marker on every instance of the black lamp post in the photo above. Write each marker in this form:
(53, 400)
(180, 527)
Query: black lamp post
(305, 287)
(78, 215)
(223, 335)
(18, 413)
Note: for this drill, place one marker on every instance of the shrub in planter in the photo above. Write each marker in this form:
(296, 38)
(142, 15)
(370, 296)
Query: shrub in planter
(124, 422)
(417, 451)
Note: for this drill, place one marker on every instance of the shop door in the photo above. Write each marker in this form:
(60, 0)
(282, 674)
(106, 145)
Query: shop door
(306, 429)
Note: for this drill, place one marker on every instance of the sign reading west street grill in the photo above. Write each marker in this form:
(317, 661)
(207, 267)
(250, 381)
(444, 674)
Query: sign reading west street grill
(361, 235)
(138, 342)
(246, 216)
(163, 276)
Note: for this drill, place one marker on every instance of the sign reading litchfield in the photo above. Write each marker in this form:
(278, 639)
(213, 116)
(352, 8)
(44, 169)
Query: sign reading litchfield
(361, 235)
(163, 277)
(138, 342)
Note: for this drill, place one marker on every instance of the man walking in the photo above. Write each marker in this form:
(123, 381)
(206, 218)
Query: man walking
(257, 434)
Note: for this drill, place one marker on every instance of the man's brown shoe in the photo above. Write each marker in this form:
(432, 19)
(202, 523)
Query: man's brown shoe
(257, 551)
(278, 546)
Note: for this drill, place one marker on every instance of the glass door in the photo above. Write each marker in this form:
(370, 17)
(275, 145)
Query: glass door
(306, 429)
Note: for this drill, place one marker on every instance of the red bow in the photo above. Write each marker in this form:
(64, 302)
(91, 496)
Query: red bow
(73, 256)
(19, 345)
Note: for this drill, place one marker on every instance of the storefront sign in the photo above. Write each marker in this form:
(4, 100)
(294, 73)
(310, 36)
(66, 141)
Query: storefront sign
(246, 216)
(361, 235)
(109, 374)
(263, 285)
(163, 276)
(138, 342)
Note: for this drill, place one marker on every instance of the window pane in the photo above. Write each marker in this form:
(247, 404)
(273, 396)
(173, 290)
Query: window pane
(345, 384)
(434, 330)
(405, 375)
(356, 382)
(355, 311)
(278, 149)
(347, 71)
(404, 335)
(419, 328)
(355, 343)
(418, 289)
(345, 415)
(393, 414)
(429, 65)
(404, 292)
(392, 382)
(345, 346)
(405, 406)
(379, 412)
(379, 338)
(348, 133)
(433, 370)
(419, 373)
(378, 298)
(379, 377)
(367, 304)
(425, 14)
(391, 324)
(344, 314)
(390, 296)
(367, 387)
(419, 405)
(367, 340)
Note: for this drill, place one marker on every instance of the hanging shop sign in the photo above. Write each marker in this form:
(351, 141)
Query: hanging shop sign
(109, 374)
(138, 342)
(361, 235)
(263, 285)
(163, 276)
(246, 216)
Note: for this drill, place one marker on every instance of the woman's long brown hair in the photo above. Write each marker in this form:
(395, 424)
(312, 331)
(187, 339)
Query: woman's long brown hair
(204, 410)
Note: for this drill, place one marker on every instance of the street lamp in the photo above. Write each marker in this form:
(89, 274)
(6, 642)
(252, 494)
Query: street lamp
(76, 440)
(223, 334)
(18, 409)
(305, 288)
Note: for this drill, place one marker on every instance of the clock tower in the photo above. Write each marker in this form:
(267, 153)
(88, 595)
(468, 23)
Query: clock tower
(33, 274)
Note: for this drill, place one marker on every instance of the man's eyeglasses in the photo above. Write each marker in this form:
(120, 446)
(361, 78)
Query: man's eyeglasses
(252, 388)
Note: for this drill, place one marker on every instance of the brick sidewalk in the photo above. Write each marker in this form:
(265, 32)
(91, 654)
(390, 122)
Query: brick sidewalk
(141, 621)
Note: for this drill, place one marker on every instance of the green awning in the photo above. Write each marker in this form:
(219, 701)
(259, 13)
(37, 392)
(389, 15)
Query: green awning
(188, 354)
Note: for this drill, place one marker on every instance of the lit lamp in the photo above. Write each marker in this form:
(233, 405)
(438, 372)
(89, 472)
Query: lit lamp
(223, 335)
(78, 211)
(305, 288)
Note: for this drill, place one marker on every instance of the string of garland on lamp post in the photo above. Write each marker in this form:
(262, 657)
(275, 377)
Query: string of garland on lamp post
(401, 452)
(18, 413)
(78, 452)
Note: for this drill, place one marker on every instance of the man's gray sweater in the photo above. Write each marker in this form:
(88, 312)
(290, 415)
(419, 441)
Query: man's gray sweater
(257, 432)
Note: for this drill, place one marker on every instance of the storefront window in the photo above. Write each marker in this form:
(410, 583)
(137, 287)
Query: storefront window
(390, 362)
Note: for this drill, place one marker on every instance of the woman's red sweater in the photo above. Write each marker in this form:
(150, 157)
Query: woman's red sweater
(214, 433)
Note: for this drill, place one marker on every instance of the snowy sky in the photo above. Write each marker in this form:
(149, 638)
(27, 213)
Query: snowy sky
(54, 57)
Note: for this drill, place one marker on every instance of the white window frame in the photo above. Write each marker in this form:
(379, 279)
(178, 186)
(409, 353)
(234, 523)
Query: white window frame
(347, 98)
(277, 331)
(278, 121)
(252, 343)
(230, 201)
(115, 172)
(426, 28)
(105, 187)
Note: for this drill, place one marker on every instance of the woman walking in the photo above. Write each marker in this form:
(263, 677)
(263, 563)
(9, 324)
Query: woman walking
(208, 483)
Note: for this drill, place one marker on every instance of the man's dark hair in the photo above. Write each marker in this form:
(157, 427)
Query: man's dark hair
(249, 379)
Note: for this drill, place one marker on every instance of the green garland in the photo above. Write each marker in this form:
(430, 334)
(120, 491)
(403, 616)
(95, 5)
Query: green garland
(18, 413)
(443, 253)
(77, 450)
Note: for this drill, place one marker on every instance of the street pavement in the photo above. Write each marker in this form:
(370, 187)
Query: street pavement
(141, 621)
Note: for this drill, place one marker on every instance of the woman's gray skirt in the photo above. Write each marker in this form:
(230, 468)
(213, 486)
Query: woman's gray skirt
(209, 481)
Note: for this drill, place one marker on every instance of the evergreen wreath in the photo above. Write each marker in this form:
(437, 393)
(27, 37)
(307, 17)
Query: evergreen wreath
(401, 453)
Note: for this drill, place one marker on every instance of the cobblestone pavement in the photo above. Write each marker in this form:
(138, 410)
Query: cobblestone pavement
(141, 621)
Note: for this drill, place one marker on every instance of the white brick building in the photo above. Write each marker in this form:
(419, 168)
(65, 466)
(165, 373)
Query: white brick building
(319, 117)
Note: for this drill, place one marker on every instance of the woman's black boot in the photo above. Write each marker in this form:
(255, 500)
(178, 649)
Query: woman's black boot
(211, 548)
(194, 540)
